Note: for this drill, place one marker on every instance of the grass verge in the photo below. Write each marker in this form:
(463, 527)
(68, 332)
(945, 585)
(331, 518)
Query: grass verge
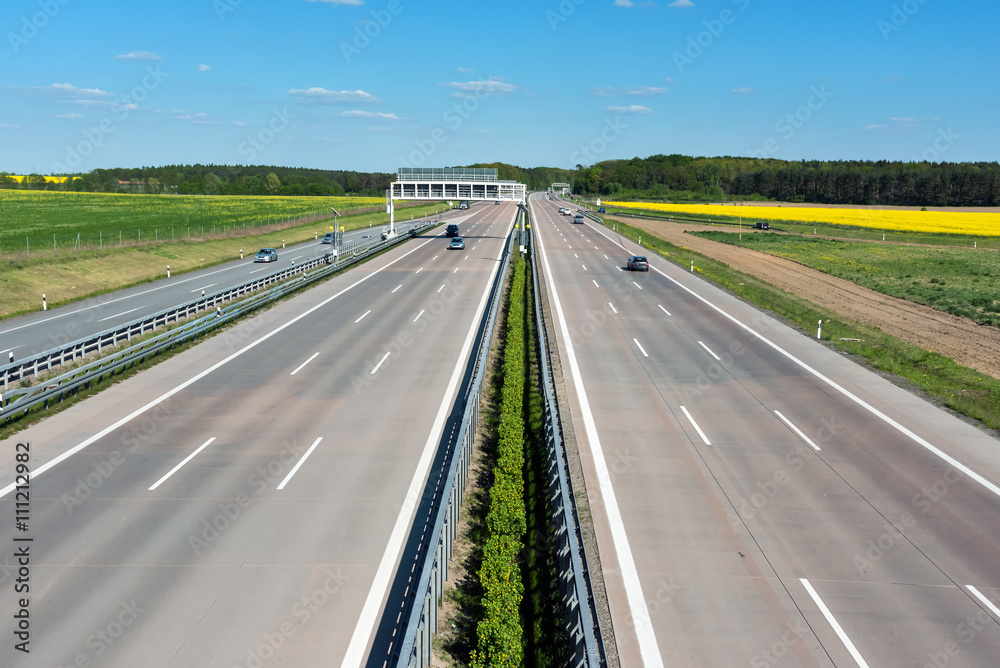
(959, 388)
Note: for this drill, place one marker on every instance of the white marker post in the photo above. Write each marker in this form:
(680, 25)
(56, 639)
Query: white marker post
(168, 271)
(692, 265)
(45, 306)
(819, 329)
(241, 253)
(282, 243)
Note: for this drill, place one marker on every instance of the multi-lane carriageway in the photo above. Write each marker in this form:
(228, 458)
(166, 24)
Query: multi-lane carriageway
(245, 502)
(759, 500)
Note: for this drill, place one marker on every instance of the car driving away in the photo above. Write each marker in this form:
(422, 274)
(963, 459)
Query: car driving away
(637, 263)
(761, 226)
(458, 243)
(266, 255)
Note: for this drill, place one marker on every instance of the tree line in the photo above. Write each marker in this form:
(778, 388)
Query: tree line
(680, 177)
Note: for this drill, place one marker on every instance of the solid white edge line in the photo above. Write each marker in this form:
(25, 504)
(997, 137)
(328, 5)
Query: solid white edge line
(643, 350)
(987, 602)
(982, 480)
(299, 463)
(118, 315)
(797, 431)
(717, 358)
(664, 310)
(178, 467)
(299, 367)
(695, 425)
(648, 648)
(362, 316)
(193, 379)
(384, 358)
(834, 623)
(380, 583)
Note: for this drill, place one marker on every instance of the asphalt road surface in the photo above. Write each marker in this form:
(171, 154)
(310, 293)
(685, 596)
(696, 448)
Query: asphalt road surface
(37, 332)
(758, 499)
(245, 502)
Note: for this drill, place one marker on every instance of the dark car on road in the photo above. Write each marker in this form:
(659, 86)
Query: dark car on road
(266, 255)
(761, 226)
(451, 230)
(327, 238)
(458, 243)
(637, 263)
(601, 210)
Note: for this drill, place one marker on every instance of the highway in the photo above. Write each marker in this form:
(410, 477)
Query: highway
(37, 332)
(245, 503)
(758, 499)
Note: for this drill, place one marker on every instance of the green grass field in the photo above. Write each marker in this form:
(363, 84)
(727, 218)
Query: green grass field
(960, 281)
(41, 221)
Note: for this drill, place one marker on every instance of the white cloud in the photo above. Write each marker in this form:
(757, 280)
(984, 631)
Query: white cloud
(138, 55)
(466, 70)
(63, 92)
(9, 125)
(743, 91)
(204, 68)
(69, 116)
(354, 3)
(635, 91)
(239, 123)
(489, 87)
(631, 109)
(318, 95)
(875, 127)
(681, 3)
(629, 3)
(357, 113)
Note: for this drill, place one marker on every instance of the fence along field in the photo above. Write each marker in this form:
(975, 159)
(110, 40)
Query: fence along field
(972, 223)
(43, 221)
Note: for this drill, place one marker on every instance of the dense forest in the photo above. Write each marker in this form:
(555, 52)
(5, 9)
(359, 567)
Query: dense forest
(658, 177)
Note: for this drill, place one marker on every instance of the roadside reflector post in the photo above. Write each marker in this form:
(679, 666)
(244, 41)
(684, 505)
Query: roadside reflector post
(202, 294)
(45, 306)
(282, 243)
(692, 265)
(218, 311)
(168, 271)
(241, 253)
(819, 329)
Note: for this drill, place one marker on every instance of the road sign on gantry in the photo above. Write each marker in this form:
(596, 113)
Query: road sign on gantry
(442, 183)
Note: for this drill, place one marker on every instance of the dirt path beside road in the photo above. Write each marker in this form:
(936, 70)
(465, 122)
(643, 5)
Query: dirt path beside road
(971, 345)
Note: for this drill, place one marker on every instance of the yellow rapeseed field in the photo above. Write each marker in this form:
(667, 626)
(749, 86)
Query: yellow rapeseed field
(928, 222)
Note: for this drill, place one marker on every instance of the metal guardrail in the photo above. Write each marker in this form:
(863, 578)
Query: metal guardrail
(582, 627)
(668, 219)
(415, 649)
(96, 343)
(23, 399)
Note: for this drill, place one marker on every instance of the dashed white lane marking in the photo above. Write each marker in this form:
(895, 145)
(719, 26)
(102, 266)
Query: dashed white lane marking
(380, 362)
(419, 314)
(695, 425)
(717, 358)
(797, 431)
(418, 271)
(641, 349)
(256, 270)
(178, 467)
(985, 601)
(833, 622)
(205, 288)
(441, 288)
(300, 367)
(636, 285)
(362, 316)
(664, 310)
(612, 307)
(395, 288)
(456, 269)
(299, 463)
(595, 283)
(120, 314)
(584, 267)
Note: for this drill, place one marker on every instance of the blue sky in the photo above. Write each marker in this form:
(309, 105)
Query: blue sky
(376, 84)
